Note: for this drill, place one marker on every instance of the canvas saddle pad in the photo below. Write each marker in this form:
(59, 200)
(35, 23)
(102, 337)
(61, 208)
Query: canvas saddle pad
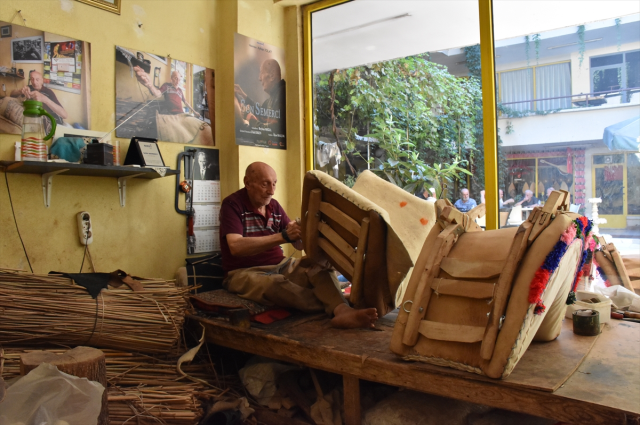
(611, 265)
(371, 233)
(478, 299)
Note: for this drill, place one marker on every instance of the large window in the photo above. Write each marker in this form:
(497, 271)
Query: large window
(393, 94)
(618, 71)
(536, 88)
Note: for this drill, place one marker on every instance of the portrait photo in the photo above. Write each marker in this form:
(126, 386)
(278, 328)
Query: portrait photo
(163, 98)
(206, 165)
(259, 94)
(27, 50)
(58, 79)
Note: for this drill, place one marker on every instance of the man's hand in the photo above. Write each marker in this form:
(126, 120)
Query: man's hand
(239, 92)
(36, 95)
(294, 231)
(142, 76)
(26, 91)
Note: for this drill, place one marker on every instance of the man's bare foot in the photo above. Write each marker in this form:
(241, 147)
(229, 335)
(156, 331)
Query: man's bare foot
(346, 317)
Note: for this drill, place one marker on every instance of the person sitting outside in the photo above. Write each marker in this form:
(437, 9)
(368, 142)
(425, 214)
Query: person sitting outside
(428, 195)
(528, 200)
(253, 225)
(507, 202)
(549, 190)
(465, 204)
(501, 202)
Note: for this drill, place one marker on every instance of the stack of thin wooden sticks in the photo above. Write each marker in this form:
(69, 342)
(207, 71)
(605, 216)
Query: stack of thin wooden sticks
(143, 389)
(44, 309)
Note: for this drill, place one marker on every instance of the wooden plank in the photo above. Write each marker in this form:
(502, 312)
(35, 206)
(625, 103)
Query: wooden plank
(610, 374)
(341, 218)
(311, 224)
(450, 332)
(341, 262)
(465, 269)
(352, 414)
(365, 354)
(463, 288)
(536, 371)
(337, 241)
(357, 288)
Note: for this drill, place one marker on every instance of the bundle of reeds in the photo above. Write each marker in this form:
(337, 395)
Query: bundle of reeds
(144, 389)
(53, 310)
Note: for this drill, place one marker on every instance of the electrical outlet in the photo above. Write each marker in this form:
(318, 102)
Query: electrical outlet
(85, 228)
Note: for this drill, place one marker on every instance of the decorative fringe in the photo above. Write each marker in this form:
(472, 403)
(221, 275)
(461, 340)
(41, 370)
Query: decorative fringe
(580, 228)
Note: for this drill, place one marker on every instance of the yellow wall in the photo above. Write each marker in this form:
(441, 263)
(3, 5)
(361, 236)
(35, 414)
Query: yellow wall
(147, 237)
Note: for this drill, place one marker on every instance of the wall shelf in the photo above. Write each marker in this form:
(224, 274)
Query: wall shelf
(12, 75)
(49, 169)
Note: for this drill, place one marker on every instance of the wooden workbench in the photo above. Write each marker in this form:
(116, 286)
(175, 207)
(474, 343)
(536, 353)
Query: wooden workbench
(594, 380)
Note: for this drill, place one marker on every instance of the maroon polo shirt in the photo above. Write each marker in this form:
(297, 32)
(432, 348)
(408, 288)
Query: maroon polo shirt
(237, 215)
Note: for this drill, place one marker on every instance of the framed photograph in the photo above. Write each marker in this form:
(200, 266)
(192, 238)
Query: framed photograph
(5, 31)
(108, 5)
(27, 49)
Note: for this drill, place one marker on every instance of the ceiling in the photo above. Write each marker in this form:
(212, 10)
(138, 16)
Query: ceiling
(367, 31)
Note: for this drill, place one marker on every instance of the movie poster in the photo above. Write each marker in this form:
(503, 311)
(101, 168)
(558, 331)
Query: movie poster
(163, 98)
(49, 68)
(260, 95)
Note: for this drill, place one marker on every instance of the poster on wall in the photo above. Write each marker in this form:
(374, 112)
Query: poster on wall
(204, 197)
(259, 101)
(50, 68)
(163, 98)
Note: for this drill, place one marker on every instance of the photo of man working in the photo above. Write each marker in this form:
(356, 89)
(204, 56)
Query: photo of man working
(36, 90)
(253, 225)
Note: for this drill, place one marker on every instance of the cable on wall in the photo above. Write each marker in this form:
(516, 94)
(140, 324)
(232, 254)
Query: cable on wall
(6, 179)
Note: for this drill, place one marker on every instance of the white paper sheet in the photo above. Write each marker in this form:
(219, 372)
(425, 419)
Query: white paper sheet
(207, 240)
(207, 215)
(206, 191)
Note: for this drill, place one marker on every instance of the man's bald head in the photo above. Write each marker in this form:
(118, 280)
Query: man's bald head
(270, 74)
(260, 181)
(35, 79)
(464, 194)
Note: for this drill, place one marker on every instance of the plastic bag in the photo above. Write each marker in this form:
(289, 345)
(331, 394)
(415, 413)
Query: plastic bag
(46, 396)
(259, 377)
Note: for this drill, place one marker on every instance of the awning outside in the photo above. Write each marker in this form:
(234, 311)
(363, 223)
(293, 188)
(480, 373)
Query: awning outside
(623, 136)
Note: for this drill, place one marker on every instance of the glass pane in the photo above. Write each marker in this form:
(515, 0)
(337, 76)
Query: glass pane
(516, 89)
(609, 187)
(633, 69)
(585, 141)
(553, 82)
(633, 183)
(608, 159)
(606, 60)
(607, 79)
(397, 91)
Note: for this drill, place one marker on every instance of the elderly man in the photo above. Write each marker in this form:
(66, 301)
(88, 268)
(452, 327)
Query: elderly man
(37, 91)
(549, 190)
(253, 225)
(465, 204)
(272, 110)
(528, 200)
